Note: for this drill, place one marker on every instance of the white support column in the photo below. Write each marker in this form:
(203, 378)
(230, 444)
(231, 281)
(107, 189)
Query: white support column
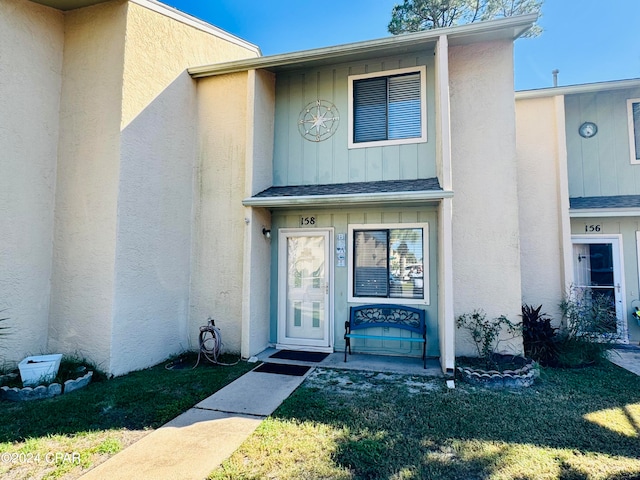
(446, 320)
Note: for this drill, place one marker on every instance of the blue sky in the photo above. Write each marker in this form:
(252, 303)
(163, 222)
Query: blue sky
(587, 40)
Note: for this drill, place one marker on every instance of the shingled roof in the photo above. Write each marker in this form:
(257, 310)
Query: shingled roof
(615, 201)
(384, 191)
(388, 186)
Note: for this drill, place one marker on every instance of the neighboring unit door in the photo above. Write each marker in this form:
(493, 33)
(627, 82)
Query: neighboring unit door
(304, 300)
(597, 268)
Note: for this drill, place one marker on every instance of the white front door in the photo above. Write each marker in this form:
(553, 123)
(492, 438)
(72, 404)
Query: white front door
(597, 268)
(304, 280)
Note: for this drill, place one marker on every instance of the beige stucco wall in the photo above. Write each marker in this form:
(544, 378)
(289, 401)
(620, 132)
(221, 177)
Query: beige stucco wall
(486, 247)
(257, 248)
(220, 219)
(541, 189)
(125, 184)
(31, 44)
(158, 154)
(87, 182)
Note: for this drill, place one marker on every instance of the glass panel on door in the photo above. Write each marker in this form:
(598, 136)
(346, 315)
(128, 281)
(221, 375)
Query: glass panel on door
(595, 278)
(306, 287)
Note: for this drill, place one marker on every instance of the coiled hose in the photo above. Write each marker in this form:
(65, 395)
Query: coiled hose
(210, 341)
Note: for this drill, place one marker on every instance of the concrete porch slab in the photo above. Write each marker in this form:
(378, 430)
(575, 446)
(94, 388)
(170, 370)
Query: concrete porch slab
(366, 362)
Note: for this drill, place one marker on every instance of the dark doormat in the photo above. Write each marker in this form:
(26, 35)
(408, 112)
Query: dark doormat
(283, 369)
(300, 356)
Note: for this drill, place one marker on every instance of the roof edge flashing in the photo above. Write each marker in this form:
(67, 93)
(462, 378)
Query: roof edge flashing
(348, 199)
(469, 33)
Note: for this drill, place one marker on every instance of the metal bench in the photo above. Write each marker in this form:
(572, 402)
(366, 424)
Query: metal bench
(393, 316)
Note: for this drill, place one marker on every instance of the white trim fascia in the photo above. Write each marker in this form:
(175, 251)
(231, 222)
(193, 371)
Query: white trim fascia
(575, 89)
(446, 310)
(443, 112)
(347, 199)
(469, 33)
(194, 22)
(422, 69)
(634, 149)
(604, 212)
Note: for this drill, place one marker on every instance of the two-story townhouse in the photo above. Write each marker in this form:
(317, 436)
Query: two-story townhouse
(379, 172)
(147, 193)
(579, 161)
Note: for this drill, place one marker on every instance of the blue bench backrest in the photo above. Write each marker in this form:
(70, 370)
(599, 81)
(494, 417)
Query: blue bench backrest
(384, 315)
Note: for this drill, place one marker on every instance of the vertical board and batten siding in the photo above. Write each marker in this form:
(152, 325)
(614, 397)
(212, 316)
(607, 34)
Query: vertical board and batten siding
(600, 165)
(340, 220)
(301, 162)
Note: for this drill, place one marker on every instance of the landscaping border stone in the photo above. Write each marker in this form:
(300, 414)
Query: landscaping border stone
(522, 377)
(41, 391)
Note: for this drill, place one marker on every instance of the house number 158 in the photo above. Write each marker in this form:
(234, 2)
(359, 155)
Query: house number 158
(306, 221)
(592, 228)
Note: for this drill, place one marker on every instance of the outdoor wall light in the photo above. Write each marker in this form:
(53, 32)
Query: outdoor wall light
(266, 233)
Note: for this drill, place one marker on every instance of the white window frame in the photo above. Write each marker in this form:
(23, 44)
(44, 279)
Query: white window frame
(425, 253)
(633, 148)
(422, 69)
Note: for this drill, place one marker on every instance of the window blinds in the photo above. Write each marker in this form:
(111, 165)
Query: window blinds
(387, 108)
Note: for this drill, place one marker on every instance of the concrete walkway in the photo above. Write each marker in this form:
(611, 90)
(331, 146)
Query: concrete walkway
(193, 444)
(627, 357)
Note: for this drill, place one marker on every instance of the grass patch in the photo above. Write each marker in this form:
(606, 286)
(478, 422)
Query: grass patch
(94, 423)
(574, 424)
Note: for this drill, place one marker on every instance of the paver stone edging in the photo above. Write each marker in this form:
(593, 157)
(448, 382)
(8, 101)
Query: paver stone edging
(41, 391)
(522, 377)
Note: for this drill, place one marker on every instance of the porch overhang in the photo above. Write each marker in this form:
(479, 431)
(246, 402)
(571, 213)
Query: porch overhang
(609, 206)
(391, 192)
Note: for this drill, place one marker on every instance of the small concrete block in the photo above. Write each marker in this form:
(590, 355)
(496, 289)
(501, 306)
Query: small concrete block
(253, 359)
(451, 384)
(72, 385)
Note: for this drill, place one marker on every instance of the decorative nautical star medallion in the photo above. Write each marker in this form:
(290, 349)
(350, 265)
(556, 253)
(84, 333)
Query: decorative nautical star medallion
(318, 121)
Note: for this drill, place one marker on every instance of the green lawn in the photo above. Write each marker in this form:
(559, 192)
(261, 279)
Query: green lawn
(574, 424)
(62, 436)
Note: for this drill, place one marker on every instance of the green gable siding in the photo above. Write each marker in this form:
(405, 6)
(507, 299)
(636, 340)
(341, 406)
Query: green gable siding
(600, 165)
(300, 162)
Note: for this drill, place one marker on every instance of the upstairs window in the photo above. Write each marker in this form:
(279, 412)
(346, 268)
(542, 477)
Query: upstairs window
(387, 108)
(633, 110)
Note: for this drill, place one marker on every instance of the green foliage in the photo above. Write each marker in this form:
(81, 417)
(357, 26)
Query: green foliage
(538, 336)
(588, 332)
(418, 15)
(589, 313)
(485, 333)
(590, 327)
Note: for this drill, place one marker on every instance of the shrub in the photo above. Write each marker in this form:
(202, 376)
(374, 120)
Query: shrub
(538, 336)
(485, 333)
(590, 327)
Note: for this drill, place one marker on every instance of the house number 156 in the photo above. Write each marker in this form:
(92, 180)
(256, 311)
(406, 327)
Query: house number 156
(592, 228)
(306, 221)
